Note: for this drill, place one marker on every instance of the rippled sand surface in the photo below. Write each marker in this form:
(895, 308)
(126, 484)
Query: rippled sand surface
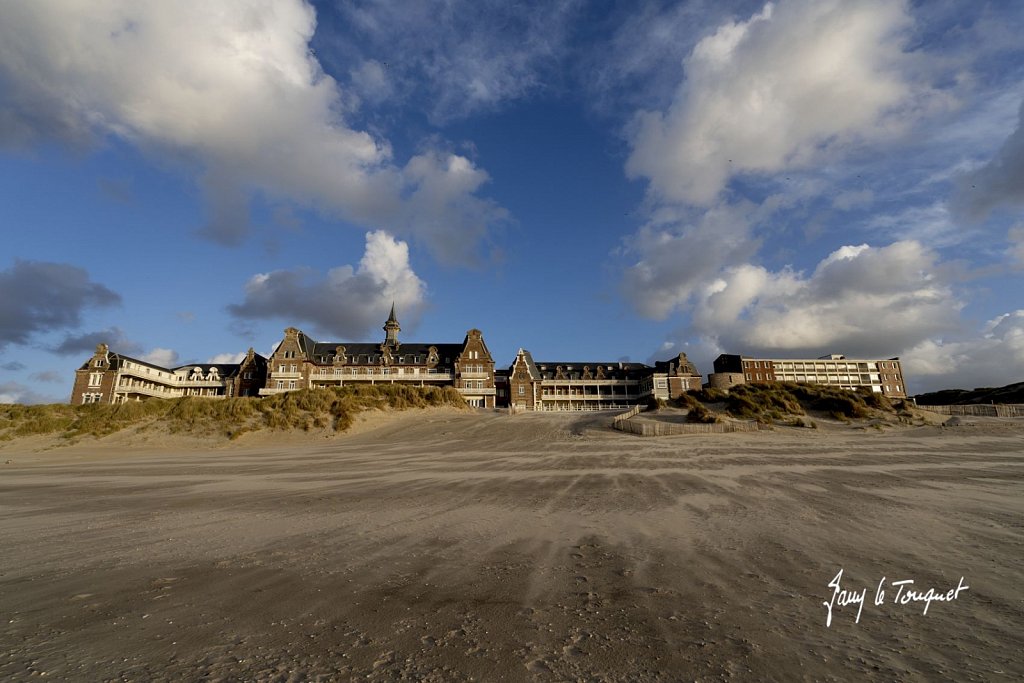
(448, 546)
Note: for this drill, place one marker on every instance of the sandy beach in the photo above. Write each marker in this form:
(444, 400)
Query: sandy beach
(446, 545)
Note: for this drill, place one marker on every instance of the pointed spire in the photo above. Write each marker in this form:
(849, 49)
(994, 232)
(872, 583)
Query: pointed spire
(391, 328)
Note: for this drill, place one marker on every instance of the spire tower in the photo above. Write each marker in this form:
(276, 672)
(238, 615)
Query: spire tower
(391, 329)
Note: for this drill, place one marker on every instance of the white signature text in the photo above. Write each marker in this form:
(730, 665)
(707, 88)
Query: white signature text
(905, 593)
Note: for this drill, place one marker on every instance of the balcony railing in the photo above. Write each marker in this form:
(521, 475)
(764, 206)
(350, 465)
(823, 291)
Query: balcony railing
(160, 392)
(476, 392)
(547, 407)
(360, 373)
(474, 375)
(588, 397)
(377, 377)
(591, 382)
(277, 374)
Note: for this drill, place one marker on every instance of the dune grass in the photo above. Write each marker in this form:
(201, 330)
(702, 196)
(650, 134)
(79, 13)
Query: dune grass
(697, 411)
(787, 403)
(334, 408)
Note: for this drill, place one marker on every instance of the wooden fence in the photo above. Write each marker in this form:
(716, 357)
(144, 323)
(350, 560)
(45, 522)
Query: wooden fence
(980, 410)
(622, 417)
(652, 428)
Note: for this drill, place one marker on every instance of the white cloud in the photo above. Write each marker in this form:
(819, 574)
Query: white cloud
(15, 392)
(456, 57)
(933, 224)
(639, 63)
(227, 358)
(993, 358)
(348, 301)
(781, 90)
(860, 300)
(165, 358)
(231, 87)
(678, 254)
(370, 79)
(1000, 181)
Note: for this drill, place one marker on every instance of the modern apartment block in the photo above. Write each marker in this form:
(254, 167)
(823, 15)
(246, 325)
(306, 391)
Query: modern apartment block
(601, 385)
(300, 362)
(110, 377)
(884, 376)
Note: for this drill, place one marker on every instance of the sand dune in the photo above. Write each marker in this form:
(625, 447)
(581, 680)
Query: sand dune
(450, 546)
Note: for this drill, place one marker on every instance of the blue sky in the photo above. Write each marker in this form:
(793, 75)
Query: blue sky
(590, 180)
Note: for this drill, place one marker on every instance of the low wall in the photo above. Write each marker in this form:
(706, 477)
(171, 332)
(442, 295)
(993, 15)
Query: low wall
(725, 380)
(980, 410)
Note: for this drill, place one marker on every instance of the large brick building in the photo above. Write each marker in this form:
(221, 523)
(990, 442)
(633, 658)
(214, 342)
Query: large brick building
(110, 377)
(598, 385)
(884, 376)
(300, 362)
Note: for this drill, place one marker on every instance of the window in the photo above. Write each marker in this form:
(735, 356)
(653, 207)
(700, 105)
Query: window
(95, 379)
(248, 375)
(522, 390)
(280, 368)
(291, 384)
(748, 376)
(293, 367)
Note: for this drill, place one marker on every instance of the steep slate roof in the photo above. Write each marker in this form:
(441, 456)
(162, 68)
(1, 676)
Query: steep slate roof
(314, 350)
(578, 365)
(404, 349)
(611, 370)
(574, 369)
(531, 367)
(117, 359)
(687, 368)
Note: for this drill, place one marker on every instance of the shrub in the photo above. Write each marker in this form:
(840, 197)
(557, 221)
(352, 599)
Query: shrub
(700, 413)
(709, 395)
(656, 403)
